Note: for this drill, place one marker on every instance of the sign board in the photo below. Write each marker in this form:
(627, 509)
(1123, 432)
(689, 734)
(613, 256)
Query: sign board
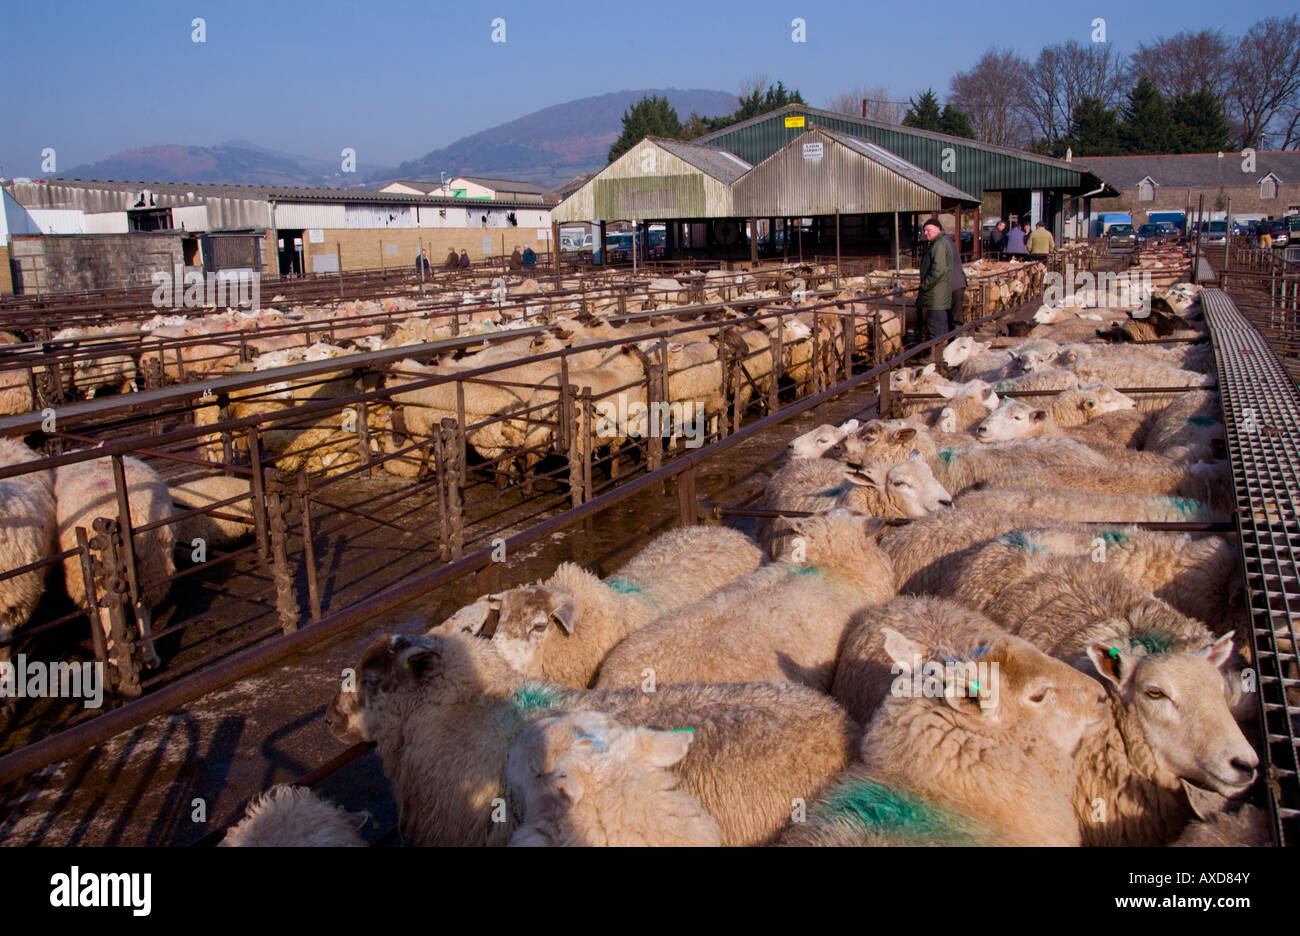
(794, 120)
(1036, 206)
(812, 151)
(390, 248)
(325, 263)
(487, 246)
(316, 235)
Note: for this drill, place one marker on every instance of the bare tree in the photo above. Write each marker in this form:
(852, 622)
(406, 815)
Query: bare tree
(1062, 76)
(1265, 79)
(1043, 97)
(752, 84)
(1186, 63)
(880, 106)
(1291, 136)
(992, 94)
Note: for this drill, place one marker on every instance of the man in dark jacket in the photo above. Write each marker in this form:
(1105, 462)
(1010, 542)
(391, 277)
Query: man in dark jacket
(422, 262)
(1016, 241)
(957, 315)
(464, 259)
(530, 259)
(934, 295)
(998, 242)
(516, 259)
(452, 262)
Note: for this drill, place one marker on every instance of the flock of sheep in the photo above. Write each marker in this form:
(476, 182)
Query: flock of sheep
(953, 633)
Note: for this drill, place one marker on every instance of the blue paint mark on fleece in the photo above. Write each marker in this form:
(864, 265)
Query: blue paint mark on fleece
(534, 697)
(623, 586)
(1022, 540)
(833, 492)
(1152, 641)
(946, 455)
(804, 570)
(1184, 505)
(1201, 421)
(876, 807)
(1113, 537)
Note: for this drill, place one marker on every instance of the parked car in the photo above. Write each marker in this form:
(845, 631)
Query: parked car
(1213, 232)
(1280, 233)
(1152, 234)
(1171, 230)
(1121, 235)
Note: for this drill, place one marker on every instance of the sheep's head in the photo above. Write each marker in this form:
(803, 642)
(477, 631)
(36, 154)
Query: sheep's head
(1177, 701)
(398, 673)
(1007, 684)
(962, 349)
(878, 438)
(1048, 315)
(1011, 420)
(1033, 360)
(817, 442)
(1096, 399)
(561, 759)
(910, 486)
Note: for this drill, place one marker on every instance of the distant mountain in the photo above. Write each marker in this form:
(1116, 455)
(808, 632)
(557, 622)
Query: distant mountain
(237, 162)
(550, 146)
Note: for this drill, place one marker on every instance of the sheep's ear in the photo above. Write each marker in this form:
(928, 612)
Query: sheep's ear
(948, 392)
(1038, 415)
(928, 370)
(567, 785)
(914, 455)
(1206, 804)
(906, 653)
(675, 346)
(419, 658)
(848, 426)
(1219, 652)
(565, 613)
(873, 527)
(868, 476)
(358, 820)
(1112, 664)
(663, 748)
(991, 400)
(903, 436)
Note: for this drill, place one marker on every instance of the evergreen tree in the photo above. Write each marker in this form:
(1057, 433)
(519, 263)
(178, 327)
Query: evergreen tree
(1095, 129)
(923, 114)
(650, 116)
(755, 103)
(1199, 123)
(1145, 125)
(955, 122)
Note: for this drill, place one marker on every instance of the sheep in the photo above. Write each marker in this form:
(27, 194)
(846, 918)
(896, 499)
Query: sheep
(1190, 428)
(977, 360)
(1208, 485)
(1068, 409)
(813, 485)
(863, 674)
(584, 779)
(782, 623)
(963, 763)
(1132, 372)
(28, 531)
(85, 490)
(1087, 506)
(289, 816)
(201, 488)
(1017, 420)
(965, 408)
(560, 629)
(445, 710)
(1146, 653)
(1218, 824)
(15, 392)
(817, 442)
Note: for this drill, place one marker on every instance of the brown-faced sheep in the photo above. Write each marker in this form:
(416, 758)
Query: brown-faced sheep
(583, 779)
(560, 629)
(784, 622)
(444, 712)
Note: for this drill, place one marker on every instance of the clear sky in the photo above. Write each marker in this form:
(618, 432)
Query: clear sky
(396, 79)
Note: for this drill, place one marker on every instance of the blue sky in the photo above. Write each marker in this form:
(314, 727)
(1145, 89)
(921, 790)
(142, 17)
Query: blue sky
(397, 79)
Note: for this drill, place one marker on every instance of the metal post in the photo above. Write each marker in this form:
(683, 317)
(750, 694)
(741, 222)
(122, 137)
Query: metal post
(895, 241)
(286, 602)
(688, 507)
(97, 639)
(109, 598)
(453, 506)
(837, 248)
(569, 409)
(1227, 236)
(308, 546)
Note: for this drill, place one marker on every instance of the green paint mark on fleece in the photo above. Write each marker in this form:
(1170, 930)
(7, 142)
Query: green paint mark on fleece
(1184, 505)
(534, 696)
(946, 455)
(1152, 641)
(1201, 421)
(877, 807)
(623, 586)
(1002, 386)
(1113, 537)
(833, 492)
(1022, 540)
(804, 570)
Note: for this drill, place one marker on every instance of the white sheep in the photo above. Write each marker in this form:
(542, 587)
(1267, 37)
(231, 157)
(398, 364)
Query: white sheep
(783, 622)
(561, 628)
(1068, 409)
(445, 710)
(85, 490)
(817, 442)
(28, 532)
(289, 816)
(982, 758)
(1087, 506)
(585, 780)
(1190, 428)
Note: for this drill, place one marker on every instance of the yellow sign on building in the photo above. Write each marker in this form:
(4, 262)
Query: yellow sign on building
(794, 120)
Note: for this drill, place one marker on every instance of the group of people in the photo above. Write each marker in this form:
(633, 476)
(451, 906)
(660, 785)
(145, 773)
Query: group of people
(525, 259)
(942, 290)
(1019, 241)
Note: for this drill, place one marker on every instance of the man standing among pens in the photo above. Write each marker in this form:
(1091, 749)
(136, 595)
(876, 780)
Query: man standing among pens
(934, 295)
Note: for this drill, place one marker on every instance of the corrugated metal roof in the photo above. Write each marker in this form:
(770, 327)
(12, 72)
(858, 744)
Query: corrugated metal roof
(978, 166)
(505, 185)
(1197, 170)
(900, 166)
(715, 161)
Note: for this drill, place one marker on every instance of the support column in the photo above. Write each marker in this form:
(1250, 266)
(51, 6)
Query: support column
(753, 243)
(895, 241)
(956, 223)
(555, 246)
(975, 224)
(604, 260)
